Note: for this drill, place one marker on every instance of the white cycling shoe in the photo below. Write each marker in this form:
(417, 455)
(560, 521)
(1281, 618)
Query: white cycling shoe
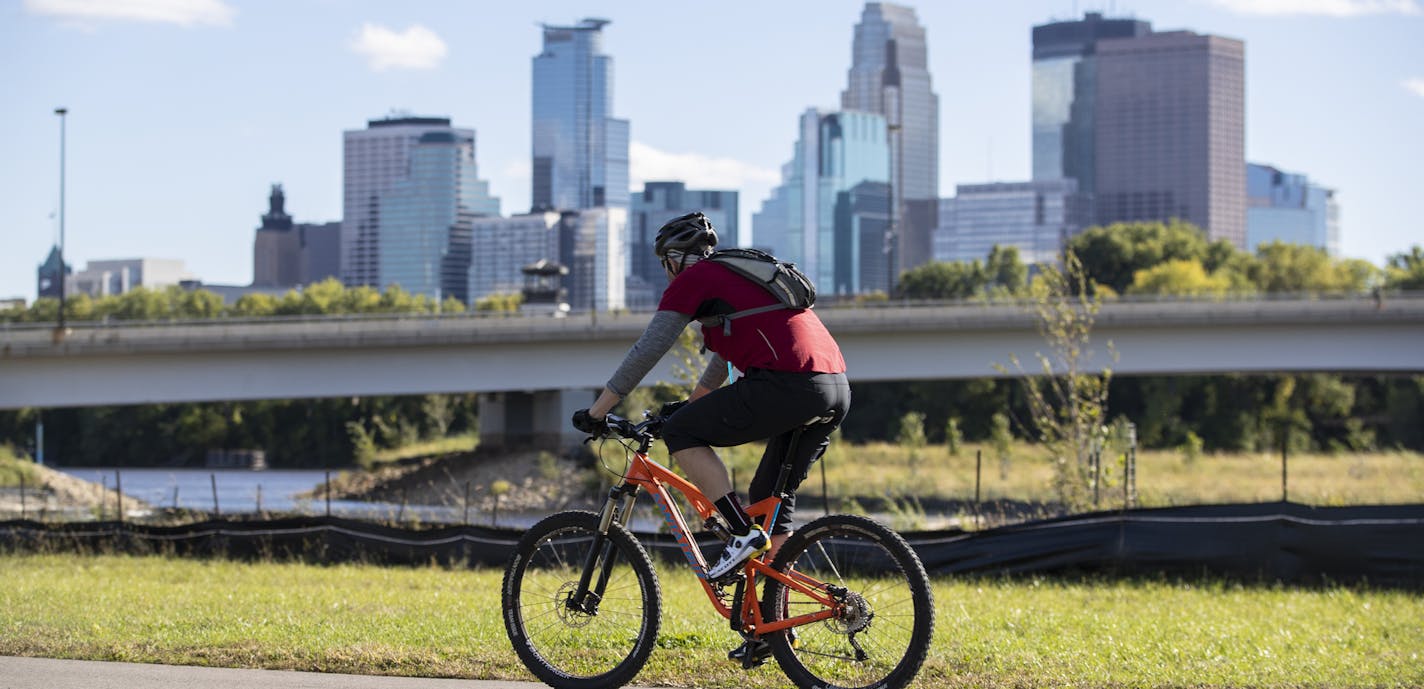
(738, 551)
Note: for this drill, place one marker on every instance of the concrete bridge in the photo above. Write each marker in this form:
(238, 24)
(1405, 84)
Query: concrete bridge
(536, 370)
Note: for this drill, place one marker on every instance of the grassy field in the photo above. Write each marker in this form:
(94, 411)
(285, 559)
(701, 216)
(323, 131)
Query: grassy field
(437, 622)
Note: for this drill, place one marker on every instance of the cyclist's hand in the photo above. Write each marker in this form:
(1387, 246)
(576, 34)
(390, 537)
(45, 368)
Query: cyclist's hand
(670, 407)
(587, 424)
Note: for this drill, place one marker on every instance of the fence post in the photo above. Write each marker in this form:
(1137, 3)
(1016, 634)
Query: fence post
(22, 494)
(1131, 470)
(1285, 443)
(400, 514)
(978, 478)
(825, 496)
(119, 493)
(103, 497)
(259, 499)
(175, 496)
(217, 509)
(1095, 464)
(328, 492)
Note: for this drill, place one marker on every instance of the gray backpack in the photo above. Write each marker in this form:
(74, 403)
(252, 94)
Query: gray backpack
(786, 282)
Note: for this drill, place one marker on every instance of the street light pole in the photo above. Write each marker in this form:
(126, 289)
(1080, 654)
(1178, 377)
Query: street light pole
(892, 235)
(59, 334)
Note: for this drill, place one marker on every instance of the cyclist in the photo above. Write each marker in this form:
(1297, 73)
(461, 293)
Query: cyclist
(793, 377)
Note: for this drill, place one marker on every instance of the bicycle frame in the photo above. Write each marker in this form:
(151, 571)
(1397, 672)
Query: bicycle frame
(645, 474)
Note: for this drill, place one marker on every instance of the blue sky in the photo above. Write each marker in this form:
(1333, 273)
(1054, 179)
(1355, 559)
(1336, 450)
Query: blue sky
(184, 112)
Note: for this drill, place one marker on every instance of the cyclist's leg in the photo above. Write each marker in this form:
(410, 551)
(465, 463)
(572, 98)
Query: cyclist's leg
(830, 395)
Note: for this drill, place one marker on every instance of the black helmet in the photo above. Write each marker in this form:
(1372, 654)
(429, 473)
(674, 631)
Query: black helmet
(691, 234)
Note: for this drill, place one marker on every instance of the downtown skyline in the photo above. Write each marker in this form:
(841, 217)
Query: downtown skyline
(178, 165)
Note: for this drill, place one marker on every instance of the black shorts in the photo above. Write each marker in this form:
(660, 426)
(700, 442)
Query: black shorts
(771, 406)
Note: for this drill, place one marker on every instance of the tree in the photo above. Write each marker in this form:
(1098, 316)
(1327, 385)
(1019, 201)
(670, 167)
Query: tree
(1281, 267)
(1183, 277)
(500, 302)
(1004, 274)
(1112, 255)
(1406, 270)
(1068, 404)
(1005, 271)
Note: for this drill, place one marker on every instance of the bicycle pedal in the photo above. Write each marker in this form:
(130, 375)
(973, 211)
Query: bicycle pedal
(751, 654)
(730, 578)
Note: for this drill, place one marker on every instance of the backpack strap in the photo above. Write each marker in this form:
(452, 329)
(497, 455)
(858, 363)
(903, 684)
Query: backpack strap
(726, 320)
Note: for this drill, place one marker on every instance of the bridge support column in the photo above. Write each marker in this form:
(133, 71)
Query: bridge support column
(538, 420)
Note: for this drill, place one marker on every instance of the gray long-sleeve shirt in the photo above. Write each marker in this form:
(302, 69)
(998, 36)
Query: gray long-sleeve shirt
(659, 337)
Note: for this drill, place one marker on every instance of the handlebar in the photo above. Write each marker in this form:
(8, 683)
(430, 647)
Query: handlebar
(645, 432)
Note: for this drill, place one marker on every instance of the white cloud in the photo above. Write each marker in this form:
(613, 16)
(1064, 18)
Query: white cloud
(415, 48)
(1329, 8)
(1416, 85)
(181, 12)
(648, 164)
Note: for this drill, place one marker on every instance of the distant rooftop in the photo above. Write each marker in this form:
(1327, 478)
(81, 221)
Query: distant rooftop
(399, 121)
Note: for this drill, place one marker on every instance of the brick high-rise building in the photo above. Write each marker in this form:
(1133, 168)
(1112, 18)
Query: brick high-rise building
(1170, 131)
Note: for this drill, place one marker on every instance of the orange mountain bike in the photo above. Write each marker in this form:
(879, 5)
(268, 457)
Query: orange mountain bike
(844, 603)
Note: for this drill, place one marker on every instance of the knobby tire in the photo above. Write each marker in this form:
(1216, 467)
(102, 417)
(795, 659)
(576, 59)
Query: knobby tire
(883, 637)
(569, 649)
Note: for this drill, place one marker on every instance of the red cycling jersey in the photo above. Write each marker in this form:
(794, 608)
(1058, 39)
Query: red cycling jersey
(778, 340)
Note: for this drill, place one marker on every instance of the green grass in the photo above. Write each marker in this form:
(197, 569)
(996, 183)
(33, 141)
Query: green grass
(14, 466)
(464, 442)
(438, 622)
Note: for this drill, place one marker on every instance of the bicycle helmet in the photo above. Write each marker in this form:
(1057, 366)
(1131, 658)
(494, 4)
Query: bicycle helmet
(690, 234)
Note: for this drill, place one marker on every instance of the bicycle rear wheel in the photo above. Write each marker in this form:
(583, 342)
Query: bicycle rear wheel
(884, 612)
(599, 643)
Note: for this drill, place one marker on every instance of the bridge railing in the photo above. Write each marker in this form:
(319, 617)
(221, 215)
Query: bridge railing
(825, 303)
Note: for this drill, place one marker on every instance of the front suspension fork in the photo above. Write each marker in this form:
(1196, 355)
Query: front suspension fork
(602, 555)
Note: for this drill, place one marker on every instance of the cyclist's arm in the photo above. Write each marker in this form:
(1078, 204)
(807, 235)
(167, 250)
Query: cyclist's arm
(660, 335)
(712, 377)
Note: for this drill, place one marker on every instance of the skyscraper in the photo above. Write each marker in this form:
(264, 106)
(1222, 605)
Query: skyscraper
(1034, 217)
(580, 152)
(1288, 208)
(1170, 131)
(287, 253)
(410, 186)
(501, 247)
(49, 274)
(276, 252)
(593, 243)
(836, 152)
(655, 205)
(1065, 75)
(889, 75)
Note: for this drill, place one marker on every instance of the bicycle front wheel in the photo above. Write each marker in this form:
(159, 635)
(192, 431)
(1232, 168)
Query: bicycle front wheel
(884, 609)
(573, 640)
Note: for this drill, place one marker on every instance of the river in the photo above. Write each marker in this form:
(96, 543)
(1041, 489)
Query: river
(243, 491)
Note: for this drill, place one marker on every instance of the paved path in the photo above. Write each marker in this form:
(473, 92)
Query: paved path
(44, 673)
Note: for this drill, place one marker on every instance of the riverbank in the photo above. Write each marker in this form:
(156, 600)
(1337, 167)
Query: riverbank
(485, 481)
(35, 491)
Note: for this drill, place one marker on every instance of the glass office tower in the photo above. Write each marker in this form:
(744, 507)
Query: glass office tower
(889, 75)
(425, 229)
(1286, 207)
(580, 152)
(836, 152)
(1035, 217)
(406, 182)
(654, 206)
(1064, 95)
(501, 247)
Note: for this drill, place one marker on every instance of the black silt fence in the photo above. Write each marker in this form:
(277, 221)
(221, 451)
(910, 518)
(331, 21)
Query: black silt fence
(1378, 545)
